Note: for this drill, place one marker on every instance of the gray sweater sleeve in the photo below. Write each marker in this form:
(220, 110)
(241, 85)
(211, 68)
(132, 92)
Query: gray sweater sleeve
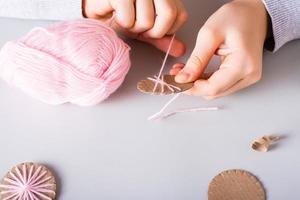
(41, 9)
(285, 20)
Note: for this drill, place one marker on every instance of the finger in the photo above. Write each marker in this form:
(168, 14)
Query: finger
(176, 68)
(222, 58)
(145, 16)
(246, 82)
(220, 81)
(125, 13)
(174, 71)
(204, 76)
(90, 9)
(223, 50)
(178, 65)
(206, 45)
(166, 15)
(178, 47)
(238, 86)
(182, 17)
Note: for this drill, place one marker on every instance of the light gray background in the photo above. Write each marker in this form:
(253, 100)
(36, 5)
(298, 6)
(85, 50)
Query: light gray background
(112, 152)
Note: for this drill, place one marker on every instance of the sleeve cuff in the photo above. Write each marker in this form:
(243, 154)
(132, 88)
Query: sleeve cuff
(60, 10)
(285, 19)
(42, 9)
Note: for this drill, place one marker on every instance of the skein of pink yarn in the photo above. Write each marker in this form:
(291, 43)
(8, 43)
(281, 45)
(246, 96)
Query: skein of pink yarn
(80, 62)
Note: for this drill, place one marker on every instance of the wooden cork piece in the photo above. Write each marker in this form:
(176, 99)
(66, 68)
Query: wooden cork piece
(236, 185)
(264, 143)
(147, 86)
(28, 181)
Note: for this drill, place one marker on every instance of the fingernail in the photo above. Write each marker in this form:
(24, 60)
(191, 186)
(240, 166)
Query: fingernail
(182, 77)
(177, 67)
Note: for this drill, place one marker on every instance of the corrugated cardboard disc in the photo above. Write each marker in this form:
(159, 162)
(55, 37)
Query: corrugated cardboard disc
(236, 185)
(147, 86)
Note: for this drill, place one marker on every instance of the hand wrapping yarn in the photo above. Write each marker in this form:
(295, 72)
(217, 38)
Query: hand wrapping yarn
(80, 62)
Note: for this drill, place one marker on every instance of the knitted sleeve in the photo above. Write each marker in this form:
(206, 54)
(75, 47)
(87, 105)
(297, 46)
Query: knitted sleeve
(41, 9)
(285, 22)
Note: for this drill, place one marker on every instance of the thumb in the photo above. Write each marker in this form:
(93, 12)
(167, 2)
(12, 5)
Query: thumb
(178, 47)
(206, 46)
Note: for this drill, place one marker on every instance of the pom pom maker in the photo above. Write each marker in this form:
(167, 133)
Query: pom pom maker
(28, 181)
(263, 144)
(165, 85)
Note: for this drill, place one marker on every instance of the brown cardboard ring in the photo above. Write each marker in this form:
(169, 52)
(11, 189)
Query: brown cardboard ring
(236, 185)
(263, 144)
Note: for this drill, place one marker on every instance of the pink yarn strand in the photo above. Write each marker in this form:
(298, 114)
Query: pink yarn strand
(161, 115)
(163, 84)
(156, 115)
(186, 110)
(164, 63)
(159, 80)
(32, 187)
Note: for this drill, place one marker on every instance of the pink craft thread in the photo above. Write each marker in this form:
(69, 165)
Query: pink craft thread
(164, 63)
(80, 62)
(27, 184)
(159, 81)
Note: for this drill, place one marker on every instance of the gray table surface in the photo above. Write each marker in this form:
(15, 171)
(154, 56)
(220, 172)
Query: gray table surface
(112, 152)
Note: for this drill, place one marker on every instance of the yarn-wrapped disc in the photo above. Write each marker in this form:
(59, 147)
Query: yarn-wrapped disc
(147, 86)
(28, 181)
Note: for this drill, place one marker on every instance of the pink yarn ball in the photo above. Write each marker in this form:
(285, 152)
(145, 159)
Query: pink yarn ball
(80, 62)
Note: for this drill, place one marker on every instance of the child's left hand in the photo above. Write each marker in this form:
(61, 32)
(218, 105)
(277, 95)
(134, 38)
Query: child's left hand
(151, 21)
(236, 32)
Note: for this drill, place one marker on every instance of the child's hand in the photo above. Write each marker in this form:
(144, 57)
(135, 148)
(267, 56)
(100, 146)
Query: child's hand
(146, 20)
(236, 32)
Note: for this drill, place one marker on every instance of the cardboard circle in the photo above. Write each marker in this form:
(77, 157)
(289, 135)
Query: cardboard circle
(37, 177)
(147, 86)
(236, 185)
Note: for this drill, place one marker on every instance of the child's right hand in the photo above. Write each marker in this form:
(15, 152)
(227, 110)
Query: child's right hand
(147, 20)
(236, 32)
